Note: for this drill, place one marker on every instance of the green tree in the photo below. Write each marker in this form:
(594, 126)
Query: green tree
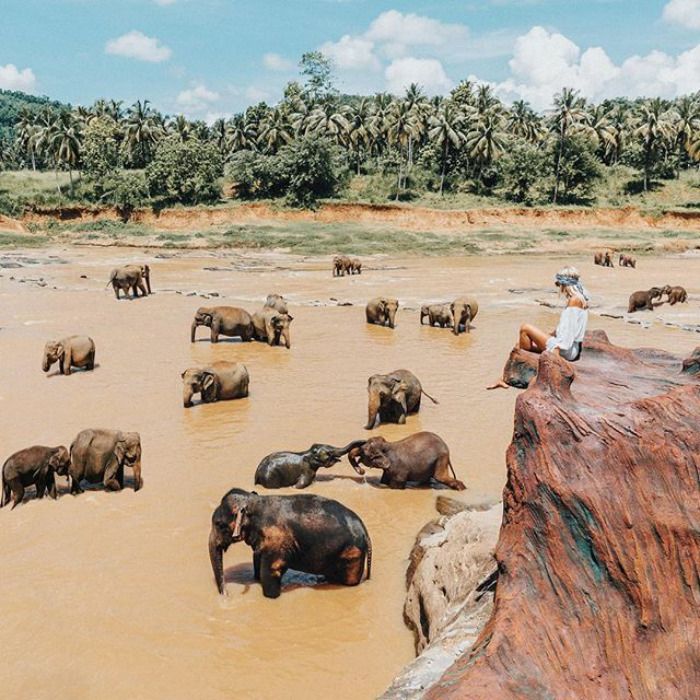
(524, 171)
(579, 169)
(185, 171)
(446, 132)
(317, 71)
(654, 127)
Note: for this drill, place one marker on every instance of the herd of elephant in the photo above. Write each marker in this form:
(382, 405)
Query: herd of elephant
(605, 259)
(308, 533)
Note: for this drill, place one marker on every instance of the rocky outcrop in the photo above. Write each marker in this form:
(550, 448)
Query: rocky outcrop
(598, 592)
(451, 557)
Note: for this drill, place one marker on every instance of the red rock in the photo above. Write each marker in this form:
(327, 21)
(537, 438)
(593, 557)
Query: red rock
(598, 595)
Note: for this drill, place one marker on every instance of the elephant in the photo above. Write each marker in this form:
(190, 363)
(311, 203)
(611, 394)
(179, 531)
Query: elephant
(675, 294)
(393, 396)
(381, 311)
(73, 351)
(220, 381)
(272, 326)
(642, 300)
(277, 302)
(355, 266)
(419, 457)
(437, 313)
(298, 469)
(464, 311)
(306, 533)
(224, 320)
(341, 265)
(36, 465)
(603, 258)
(101, 455)
(627, 261)
(131, 277)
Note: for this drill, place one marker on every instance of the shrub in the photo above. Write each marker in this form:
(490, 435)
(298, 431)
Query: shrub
(185, 171)
(524, 171)
(256, 176)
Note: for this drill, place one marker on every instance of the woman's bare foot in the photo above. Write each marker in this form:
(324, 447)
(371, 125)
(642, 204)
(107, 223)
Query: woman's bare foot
(500, 384)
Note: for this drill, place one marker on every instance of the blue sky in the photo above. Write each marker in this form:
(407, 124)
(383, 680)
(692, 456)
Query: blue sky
(212, 57)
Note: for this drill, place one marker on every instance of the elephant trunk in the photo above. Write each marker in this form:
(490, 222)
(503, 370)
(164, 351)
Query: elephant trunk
(216, 556)
(456, 318)
(195, 325)
(147, 277)
(46, 364)
(353, 454)
(391, 316)
(372, 410)
(187, 394)
(342, 451)
(286, 338)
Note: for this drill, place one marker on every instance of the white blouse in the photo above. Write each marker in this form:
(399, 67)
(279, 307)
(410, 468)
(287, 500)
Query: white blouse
(570, 332)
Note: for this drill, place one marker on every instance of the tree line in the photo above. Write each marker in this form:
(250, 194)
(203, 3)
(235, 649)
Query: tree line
(314, 138)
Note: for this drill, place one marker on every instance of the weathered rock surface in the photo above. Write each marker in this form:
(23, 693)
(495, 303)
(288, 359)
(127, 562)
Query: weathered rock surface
(598, 593)
(451, 557)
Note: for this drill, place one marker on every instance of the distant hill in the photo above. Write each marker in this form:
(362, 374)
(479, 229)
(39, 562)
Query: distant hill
(12, 103)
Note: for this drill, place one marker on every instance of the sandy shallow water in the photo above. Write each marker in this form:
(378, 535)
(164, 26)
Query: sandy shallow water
(111, 595)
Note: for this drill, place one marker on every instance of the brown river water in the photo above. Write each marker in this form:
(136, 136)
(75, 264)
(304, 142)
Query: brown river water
(110, 595)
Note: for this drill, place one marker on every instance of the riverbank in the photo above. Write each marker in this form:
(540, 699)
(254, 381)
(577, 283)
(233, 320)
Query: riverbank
(363, 229)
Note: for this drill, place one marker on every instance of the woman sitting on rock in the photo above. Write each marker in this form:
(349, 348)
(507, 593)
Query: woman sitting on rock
(567, 340)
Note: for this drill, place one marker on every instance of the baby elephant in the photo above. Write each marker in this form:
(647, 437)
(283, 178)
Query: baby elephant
(223, 320)
(436, 313)
(272, 326)
(419, 457)
(464, 311)
(627, 261)
(381, 311)
(298, 469)
(74, 351)
(675, 294)
(393, 396)
(131, 277)
(36, 466)
(643, 300)
(277, 302)
(220, 381)
(98, 455)
(355, 266)
(603, 259)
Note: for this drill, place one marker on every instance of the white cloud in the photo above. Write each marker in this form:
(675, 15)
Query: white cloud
(256, 94)
(426, 72)
(544, 62)
(11, 78)
(197, 100)
(397, 33)
(164, 3)
(273, 61)
(352, 53)
(137, 45)
(686, 13)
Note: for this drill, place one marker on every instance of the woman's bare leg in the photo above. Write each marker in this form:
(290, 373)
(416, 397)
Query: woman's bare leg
(531, 339)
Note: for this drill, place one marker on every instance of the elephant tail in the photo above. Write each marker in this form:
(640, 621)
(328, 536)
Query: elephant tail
(369, 557)
(425, 393)
(112, 275)
(452, 469)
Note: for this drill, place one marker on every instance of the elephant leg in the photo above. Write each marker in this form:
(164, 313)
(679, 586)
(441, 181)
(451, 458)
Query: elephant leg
(395, 483)
(51, 485)
(256, 565)
(272, 568)
(138, 481)
(40, 484)
(142, 288)
(443, 475)
(17, 494)
(75, 485)
(386, 478)
(90, 365)
(67, 359)
(111, 478)
(215, 328)
(349, 567)
(305, 479)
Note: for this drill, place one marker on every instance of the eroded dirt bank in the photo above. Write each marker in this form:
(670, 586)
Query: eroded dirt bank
(114, 590)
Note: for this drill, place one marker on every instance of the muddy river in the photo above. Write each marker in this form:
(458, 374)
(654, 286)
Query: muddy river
(111, 594)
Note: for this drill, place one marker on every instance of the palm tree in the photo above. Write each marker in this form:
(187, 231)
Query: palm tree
(568, 114)
(62, 141)
(240, 134)
(445, 130)
(653, 127)
(180, 127)
(360, 129)
(687, 124)
(603, 129)
(382, 105)
(275, 130)
(141, 131)
(523, 122)
(486, 141)
(400, 129)
(330, 120)
(27, 134)
(418, 106)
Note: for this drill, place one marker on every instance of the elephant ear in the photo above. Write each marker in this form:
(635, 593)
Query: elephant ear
(60, 455)
(399, 387)
(60, 350)
(452, 307)
(120, 448)
(237, 525)
(209, 383)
